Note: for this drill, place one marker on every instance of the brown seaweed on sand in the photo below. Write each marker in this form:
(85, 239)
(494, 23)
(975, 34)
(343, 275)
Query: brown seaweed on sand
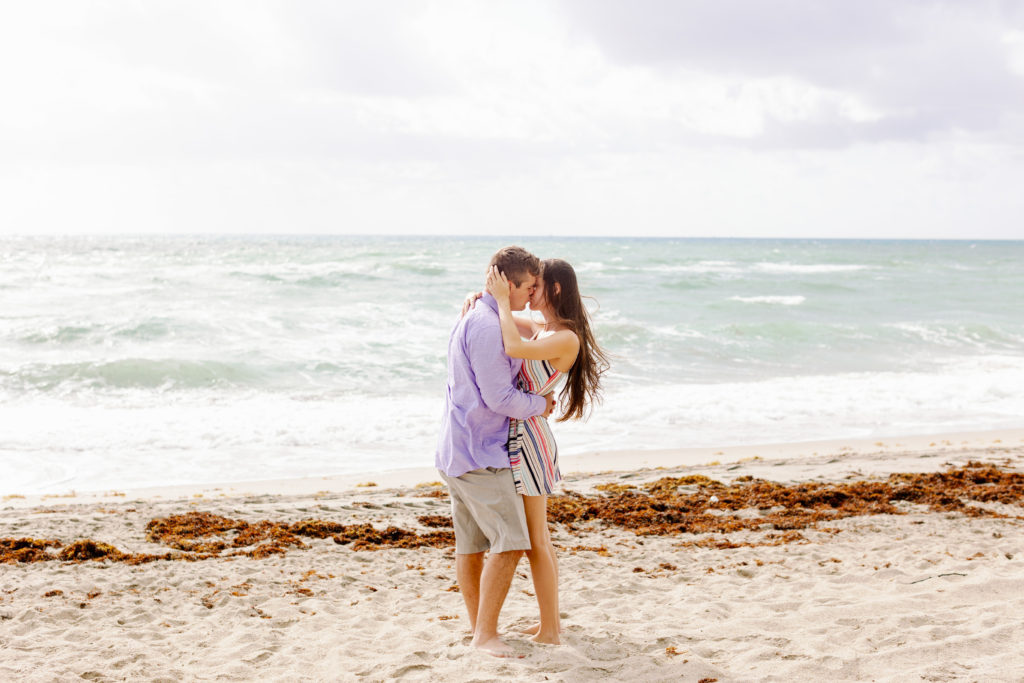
(88, 549)
(181, 531)
(435, 521)
(365, 537)
(204, 535)
(693, 504)
(436, 493)
(28, 550)
(697, 504)
(25, 549)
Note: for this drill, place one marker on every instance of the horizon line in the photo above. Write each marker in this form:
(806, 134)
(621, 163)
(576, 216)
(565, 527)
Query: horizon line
(504, 236)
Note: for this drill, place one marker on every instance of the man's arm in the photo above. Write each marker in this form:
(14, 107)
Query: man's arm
(494, 376)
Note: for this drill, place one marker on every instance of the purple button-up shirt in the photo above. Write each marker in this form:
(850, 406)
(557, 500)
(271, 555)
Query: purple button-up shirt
(482, 395)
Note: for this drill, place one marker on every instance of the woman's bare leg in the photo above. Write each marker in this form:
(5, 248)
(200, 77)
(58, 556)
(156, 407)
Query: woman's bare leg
(533, 629)
(544, 568)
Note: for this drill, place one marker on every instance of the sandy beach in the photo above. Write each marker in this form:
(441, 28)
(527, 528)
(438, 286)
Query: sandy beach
(838, 561)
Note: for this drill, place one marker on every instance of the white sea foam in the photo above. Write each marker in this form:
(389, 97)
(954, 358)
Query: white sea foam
(812, 268)
(958, 335)
(961, 395)
(52, 445)
(795, 300)
(724, 267)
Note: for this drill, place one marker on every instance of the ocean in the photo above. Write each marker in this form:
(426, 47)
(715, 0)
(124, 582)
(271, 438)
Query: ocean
(135, 361)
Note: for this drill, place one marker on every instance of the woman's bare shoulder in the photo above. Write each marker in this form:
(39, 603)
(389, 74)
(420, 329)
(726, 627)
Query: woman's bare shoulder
(567, 337)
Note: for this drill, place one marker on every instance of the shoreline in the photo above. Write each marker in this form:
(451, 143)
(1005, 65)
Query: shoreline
(883, 450)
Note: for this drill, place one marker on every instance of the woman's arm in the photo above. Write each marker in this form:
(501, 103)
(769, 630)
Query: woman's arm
(527, 328)
(561, 344)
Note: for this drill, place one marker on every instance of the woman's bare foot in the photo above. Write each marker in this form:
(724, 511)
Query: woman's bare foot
(547, 639)
(496, 647)
(533, 630)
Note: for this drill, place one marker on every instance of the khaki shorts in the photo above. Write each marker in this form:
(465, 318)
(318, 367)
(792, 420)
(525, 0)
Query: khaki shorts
(487, 512)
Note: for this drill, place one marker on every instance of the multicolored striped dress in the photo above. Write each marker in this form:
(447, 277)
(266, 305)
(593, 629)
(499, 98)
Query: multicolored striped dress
(532, 452)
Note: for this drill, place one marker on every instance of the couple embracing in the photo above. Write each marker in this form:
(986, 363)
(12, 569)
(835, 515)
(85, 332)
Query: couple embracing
(496, 451)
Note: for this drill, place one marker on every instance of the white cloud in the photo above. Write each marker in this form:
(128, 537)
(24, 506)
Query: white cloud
(1013, 42)
(931, 65)
(586, 117)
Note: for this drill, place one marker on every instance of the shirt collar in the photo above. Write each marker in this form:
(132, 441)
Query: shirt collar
(490, 301)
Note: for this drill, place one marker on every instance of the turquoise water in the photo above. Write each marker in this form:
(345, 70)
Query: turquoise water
(129, 360)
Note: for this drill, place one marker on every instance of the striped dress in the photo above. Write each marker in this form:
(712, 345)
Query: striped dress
(532, 452)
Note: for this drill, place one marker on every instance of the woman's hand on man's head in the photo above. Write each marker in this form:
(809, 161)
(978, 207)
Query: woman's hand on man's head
(497, 284)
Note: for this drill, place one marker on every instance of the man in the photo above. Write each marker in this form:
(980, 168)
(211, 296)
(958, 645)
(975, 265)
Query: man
(472, 451)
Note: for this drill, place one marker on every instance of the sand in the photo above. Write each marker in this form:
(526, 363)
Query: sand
(889, 597)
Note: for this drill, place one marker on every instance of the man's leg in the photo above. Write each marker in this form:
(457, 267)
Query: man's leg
(494, 584)
(487, 513)
(467, 572)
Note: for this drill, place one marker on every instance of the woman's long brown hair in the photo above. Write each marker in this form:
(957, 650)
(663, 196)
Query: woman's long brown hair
(583, 380)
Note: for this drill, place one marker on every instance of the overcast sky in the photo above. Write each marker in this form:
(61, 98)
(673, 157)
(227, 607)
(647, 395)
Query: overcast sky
(825, 118)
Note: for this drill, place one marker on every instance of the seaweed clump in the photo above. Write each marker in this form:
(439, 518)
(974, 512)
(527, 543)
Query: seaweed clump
(88, 549)
(435, 521)
(14, 550)
(365, 537)
(35, 550)
(696, 504)
(204, 535)
(186, 531)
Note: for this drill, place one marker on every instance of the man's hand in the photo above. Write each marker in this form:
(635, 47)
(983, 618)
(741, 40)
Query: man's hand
(550, 398)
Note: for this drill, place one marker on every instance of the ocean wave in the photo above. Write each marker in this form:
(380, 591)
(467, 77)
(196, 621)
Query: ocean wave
(615, 330)
(720, 267)
(335, 279)
(136, 373)
(265, 277)
(687, 284)
(63, 334)
(147, 438)
(322, 280)
(812, 268)
(617, 267)
(731, 268)
(795, 300)
(418, 269)
(589, 267)
(367, 368)
(959, 394)
(978, 336)
(149, 330)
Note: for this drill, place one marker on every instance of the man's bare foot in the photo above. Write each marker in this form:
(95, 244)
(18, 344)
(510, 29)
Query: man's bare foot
(496, 647)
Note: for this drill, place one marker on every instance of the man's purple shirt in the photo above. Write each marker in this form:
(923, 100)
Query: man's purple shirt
(481, 396)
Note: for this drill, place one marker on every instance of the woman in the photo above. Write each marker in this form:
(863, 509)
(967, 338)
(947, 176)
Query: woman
(561, 349)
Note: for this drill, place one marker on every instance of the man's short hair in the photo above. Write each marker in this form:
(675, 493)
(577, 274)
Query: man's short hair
(516, 263)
